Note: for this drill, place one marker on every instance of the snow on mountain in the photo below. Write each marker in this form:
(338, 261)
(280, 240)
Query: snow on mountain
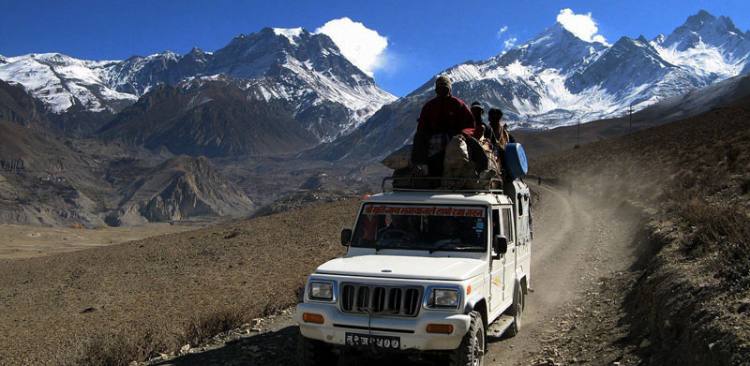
(559, 79)
(330, 95)
(62, 82)
(327, 94)
(289, 33)
(711, 47)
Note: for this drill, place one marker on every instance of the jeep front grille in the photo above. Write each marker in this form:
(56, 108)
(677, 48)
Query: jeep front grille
(380, 300)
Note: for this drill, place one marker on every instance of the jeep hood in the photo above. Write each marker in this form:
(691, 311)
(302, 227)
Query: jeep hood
(391, 266)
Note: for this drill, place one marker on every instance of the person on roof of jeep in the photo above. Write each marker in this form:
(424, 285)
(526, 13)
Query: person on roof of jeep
(501, 133)
(482, 129)
(441, 118)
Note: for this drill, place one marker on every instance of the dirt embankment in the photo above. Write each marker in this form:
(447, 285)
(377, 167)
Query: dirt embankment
(685, 313)
(688, 298)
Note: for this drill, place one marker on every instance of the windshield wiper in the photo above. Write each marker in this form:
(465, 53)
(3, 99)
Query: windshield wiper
(444, 244)
(388, 245)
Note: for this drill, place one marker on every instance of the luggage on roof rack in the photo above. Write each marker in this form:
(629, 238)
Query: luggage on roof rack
(438, 184)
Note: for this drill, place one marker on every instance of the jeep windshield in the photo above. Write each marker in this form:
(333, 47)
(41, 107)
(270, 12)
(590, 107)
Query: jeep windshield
(421, 227)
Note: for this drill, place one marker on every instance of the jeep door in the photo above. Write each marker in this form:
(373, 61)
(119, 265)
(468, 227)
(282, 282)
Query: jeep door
(502, 274)
(509, 258)
(497, 268)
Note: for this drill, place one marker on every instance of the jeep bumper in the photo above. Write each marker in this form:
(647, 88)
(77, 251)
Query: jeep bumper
(412, 332)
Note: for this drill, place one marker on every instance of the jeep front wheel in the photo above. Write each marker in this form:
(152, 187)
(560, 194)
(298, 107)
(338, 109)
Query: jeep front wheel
(314, 353)
(471, 350)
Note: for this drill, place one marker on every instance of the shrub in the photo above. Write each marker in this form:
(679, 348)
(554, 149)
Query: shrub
(202, 328)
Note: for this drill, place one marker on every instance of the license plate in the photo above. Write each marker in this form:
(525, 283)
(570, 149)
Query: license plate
(376, 341)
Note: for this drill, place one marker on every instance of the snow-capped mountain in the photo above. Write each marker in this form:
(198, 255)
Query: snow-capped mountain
(558, 79)
(62, 82)
(326, 93)
(331, 96)
(708, 46)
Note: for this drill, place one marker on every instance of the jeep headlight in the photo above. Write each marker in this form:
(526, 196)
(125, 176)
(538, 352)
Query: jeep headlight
(321, 291)
(444, 298)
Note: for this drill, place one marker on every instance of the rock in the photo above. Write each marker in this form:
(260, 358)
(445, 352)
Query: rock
(644, 343)
(185, 348)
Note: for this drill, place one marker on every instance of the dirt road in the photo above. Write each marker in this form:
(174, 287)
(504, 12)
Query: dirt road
(577, 242)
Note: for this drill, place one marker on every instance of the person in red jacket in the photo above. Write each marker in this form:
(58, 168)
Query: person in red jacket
(442, 118)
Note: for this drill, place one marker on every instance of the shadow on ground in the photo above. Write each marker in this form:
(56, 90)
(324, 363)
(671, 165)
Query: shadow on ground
(278, 348)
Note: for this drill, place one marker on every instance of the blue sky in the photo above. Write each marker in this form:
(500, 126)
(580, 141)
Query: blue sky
(424, 37)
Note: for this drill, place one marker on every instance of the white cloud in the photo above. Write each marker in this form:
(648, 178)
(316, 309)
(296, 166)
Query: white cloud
(502, 30)
(364, 47)
(509, 43)
(582, 26)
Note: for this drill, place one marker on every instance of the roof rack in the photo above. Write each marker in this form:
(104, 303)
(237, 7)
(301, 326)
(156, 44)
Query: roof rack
(439, 184)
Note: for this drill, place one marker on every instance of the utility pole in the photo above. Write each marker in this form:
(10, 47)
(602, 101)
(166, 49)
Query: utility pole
(578, 134)
(630, 123)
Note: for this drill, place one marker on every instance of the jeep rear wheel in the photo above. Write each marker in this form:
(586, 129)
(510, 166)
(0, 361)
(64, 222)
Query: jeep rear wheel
(314, 353)
(471, 350)
(516, 310)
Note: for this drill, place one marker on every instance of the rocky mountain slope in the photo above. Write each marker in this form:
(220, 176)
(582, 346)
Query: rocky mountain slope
(49, 180)
(210, 117)
(325, 93)
(178, 189)
(558, 79)
(18, 107)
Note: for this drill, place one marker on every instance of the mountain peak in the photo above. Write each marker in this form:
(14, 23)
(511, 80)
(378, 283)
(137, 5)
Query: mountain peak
(700, 18)
(196, 51)
(289, 32)
(707, 29)
(706, 21)
(556, 48)
(556, 31)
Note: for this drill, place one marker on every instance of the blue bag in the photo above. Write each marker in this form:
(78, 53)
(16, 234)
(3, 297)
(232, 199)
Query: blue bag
(515, 161)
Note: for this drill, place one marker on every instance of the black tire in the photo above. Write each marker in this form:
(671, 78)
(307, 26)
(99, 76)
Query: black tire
(314, 353)
(516, 310)
(471, 350)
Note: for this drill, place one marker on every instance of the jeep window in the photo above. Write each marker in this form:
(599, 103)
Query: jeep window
(422, 227)
(520, 204)
(507, 224)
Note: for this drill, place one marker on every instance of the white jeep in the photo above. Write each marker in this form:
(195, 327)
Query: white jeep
(426, 272)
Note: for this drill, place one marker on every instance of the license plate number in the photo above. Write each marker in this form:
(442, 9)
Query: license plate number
(376, 341)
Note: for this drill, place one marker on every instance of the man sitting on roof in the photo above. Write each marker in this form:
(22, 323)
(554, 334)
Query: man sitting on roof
(442, 118)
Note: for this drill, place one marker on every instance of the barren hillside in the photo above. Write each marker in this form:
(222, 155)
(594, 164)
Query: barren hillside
(131, 300)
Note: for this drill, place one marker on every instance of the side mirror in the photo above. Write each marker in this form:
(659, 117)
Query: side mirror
(346, 237)
(500, 245)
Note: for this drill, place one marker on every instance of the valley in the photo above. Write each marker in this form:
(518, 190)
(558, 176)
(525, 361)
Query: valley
(24, 241)
(166, 209)
(209, 135)
(214, 280)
